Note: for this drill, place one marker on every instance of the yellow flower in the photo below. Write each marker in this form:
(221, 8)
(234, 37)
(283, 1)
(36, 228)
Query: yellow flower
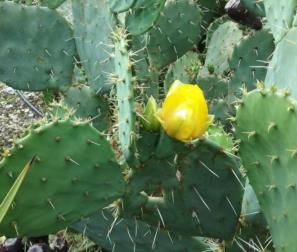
(184, 114)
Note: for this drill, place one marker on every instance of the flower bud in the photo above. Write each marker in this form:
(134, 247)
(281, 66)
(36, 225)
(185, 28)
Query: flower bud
(149, 119)
(184, 114)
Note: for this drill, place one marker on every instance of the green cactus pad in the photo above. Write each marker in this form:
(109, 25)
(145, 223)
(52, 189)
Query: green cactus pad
(280, 15)
(253, 226)
(215, 90)
(125, 93)
(148, 173)
(184, 197)
(143, 15)
(281, 71)
(221, 47)
(37, 51)
(213, 86)
(214, 26)
(266, 126)
(252, 229)
(210, 10)
(184, 69)
(75, 174)
(93, 24)
(255, 7)
(249, 60)
(195, 207)
(176, 31)
(120, 5)
(147, 76)
(53, 4)
(133, 235)
(88, 105)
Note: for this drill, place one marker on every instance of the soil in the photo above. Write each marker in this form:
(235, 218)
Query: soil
(15, 115)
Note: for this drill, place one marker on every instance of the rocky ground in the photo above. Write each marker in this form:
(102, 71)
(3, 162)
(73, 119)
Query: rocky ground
(15, 115)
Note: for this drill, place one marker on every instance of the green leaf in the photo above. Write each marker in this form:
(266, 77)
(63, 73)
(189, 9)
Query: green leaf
(4, 207)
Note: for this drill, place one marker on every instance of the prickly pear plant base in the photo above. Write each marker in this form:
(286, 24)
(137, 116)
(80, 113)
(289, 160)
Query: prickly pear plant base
(268, 151)
(74, 174)
(133, 235)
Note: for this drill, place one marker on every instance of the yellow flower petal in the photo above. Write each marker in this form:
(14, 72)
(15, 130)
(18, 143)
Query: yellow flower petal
(184, 114)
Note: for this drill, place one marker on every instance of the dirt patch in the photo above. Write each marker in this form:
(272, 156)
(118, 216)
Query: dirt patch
(15, 115)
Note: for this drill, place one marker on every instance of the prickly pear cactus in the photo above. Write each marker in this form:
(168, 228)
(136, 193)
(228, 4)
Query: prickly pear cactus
(102, 143)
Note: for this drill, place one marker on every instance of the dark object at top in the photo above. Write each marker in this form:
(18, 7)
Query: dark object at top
(240, 14)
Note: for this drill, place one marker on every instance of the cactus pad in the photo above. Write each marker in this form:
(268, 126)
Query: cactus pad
(184, 199)
(53, 4)
(75, 173)
(281, 71)
(133, 235)
(120, 5)
(93, 24)
(250, 59)
(280, 15)
(216, 93)
(184, 69)
(88, 105)
(39, 54)
(266, 126)
(143, 15)
(255, 7)
(221, 47)
(176, 31)
(125, 92)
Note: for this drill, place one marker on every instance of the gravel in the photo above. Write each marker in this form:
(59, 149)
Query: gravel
(15, 115)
